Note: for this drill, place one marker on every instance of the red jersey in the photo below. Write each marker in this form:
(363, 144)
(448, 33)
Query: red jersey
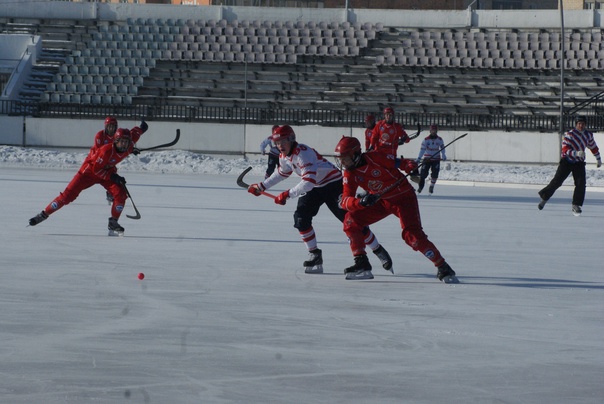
(101, 161)
(387, 136)
(379, 172)
(368, 133)
(100, 139)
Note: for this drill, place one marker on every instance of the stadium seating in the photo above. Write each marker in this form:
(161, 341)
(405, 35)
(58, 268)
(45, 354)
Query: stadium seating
(326, 64)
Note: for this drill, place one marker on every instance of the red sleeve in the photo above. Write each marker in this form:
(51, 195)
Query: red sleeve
(368, 134)
(97, 142)
(136, 134)
(403, 136)
(375, 136)
(349, 188)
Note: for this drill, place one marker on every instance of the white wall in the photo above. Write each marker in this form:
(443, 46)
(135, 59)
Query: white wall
(397, 18)
(237, 139)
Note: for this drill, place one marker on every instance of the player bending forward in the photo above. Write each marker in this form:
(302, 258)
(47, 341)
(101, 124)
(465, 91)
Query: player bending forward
(321, 183)
(378, 172)
(99, 167)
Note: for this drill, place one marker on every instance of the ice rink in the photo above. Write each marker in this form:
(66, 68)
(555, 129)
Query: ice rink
(226, 314)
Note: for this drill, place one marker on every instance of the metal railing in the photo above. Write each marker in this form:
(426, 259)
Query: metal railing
(270, 116)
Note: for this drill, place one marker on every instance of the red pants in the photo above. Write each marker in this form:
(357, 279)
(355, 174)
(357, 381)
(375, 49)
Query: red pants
(81, 182)
(404, 207)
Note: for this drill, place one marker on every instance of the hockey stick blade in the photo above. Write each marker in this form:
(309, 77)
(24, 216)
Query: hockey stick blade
(419, 130)
(242, 183)
(138, 215)
(172, 143)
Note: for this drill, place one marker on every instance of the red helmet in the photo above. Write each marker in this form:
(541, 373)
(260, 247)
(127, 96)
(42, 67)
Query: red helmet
(369, 118)
(110, 120)
(433, 127)
(348, 152)
(120, 134)
(274, 127)
(388, 110)
(284, 132)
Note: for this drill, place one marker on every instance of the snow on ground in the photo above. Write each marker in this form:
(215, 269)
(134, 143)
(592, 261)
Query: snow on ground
(182, 162)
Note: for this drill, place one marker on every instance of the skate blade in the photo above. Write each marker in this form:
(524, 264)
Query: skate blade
(576, 214)
(113, 233)
(390, 270)
(359, 275)
(450, 279)
(317, 269)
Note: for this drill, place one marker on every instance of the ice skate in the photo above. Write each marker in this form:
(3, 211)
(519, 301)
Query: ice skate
(541, 204)
(314, 265)
(431, 189)
(114, 228)
(419, 190)
(40, 217)
(446, 274)
(384, 257)
(360, 270)
(577, 210)
(109, 198)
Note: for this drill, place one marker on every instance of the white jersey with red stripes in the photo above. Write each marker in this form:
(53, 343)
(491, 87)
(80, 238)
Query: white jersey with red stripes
(432, 149)
(314, 170)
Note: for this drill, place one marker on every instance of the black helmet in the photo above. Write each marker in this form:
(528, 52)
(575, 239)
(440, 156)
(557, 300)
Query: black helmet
(581, 118)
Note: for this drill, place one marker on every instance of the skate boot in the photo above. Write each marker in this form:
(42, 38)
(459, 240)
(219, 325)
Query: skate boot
(541, 204)
(315, 263)
(419, 190)
(384, 257)
(577, 210)
(360, 270)
(431, 189)
(40, 217)
(114, 228)
(446, 274)
(109, 198)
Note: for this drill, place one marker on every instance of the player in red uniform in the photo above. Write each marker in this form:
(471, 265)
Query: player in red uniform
(106, 135)
(369, 125)
(320, 184)
(103, 137)
(389, 193)
(387, 135)
(99, 167)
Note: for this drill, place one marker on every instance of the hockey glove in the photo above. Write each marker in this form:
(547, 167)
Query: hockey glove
(136, 151)
(369, 200)
(143, 125)
(256, 189)
(282, 198)
(408, 165)
(118, 179)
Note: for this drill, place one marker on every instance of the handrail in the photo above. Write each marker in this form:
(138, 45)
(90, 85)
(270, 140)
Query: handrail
(270, 116)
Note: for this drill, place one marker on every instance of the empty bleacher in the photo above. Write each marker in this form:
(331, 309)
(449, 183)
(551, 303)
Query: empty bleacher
(307, 65)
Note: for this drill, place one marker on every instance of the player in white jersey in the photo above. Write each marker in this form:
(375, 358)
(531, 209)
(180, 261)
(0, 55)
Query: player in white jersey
(321, 183)
(431, 153)
(273, 153)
